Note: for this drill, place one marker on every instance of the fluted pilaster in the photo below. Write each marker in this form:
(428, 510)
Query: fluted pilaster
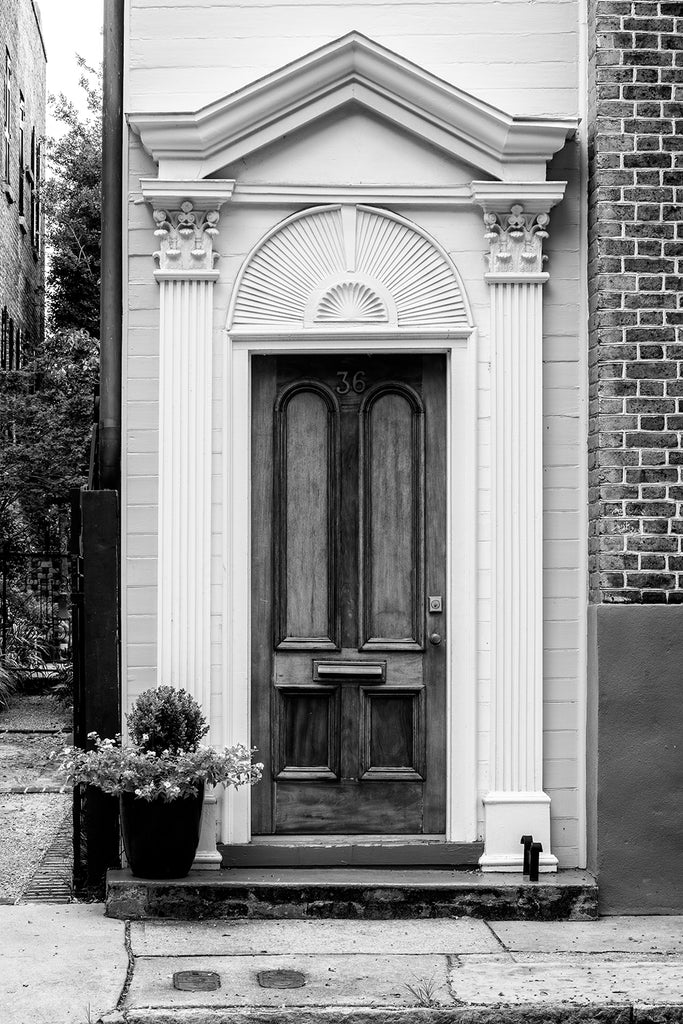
(185, 256)
(516, 803)
(516, 315)
(184, 590)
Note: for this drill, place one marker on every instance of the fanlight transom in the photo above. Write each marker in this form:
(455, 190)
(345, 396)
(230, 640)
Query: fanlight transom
(349, 265)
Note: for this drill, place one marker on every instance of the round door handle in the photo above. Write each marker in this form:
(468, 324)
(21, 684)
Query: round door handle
(435, 638)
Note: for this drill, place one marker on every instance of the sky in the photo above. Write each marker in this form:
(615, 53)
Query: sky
(70, 27)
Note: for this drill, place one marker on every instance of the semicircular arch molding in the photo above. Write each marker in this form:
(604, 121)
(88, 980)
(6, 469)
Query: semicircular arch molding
(351, 266)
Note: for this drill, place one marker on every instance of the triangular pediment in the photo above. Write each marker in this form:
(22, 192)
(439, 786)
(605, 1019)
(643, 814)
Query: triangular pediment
(352, 70)
(352, 145)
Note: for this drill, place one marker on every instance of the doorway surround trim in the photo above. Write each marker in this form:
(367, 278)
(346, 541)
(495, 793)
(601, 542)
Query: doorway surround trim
(460, 348)
(513, 150)
(516, 277)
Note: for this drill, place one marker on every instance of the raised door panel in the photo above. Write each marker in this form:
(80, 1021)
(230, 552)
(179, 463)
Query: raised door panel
(356, 807)
(308, 734)
(306, 488)
(392, 734)
(392, 503)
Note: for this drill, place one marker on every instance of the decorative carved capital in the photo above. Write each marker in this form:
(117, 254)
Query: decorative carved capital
(516, 241)
(186, 239)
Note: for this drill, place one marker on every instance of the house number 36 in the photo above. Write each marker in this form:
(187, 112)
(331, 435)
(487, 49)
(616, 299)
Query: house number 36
(357, 382)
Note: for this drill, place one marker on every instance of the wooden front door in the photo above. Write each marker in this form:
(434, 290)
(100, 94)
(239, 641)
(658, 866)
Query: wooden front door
(349, 584)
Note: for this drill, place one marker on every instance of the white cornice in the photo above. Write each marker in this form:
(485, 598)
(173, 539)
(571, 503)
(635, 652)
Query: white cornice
(204, 195)
(353, 69)
(536, 197)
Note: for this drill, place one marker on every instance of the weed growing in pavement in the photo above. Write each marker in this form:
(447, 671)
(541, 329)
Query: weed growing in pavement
(426, 991)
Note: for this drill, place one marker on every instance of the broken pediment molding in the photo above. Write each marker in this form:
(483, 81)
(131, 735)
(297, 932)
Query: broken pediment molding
(352, 69)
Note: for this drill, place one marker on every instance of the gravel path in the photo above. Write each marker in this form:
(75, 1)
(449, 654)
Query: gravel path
(35, 711)
(25, 756)
(28, 826)
(25, 760)
(29, 822)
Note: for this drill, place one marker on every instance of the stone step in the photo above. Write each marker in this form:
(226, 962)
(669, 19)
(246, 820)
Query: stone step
(372, 894)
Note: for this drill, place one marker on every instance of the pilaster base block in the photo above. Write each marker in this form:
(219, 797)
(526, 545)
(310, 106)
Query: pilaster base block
(507, 817)
(207, 857)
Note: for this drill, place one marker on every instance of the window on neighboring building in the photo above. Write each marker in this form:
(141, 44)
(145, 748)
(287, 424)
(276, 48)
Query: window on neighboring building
(35, 191)
(31, 185)
(22, 155)
(7, 117)
(12, 344)
(4, 338)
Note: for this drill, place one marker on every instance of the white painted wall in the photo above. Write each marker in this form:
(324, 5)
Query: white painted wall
(185, 53)
(519, 56)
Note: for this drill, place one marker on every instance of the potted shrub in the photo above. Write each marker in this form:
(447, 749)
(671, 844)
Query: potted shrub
(159, 778)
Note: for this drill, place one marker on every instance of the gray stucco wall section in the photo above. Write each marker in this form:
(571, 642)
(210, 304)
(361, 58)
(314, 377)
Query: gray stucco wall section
(635, 762)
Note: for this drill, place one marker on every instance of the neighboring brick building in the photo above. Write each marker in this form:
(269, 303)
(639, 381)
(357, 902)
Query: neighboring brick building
(635, 280)
(22, 112)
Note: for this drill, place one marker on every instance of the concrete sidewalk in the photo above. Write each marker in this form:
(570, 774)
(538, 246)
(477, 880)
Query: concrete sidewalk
(71, 965)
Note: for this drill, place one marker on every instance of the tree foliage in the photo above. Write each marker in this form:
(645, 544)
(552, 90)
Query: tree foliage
(46, 413)
(72, 201)
(46, 407)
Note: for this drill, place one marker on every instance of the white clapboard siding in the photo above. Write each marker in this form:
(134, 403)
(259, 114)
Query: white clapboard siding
(486, 48)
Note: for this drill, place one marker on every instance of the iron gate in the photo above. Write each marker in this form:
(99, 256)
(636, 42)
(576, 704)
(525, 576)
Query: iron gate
(35, 609)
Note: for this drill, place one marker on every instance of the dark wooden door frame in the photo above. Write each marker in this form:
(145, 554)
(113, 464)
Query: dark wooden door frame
(264, 449)
(460, 347)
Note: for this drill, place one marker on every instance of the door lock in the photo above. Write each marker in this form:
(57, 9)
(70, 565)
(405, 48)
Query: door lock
(435, 605)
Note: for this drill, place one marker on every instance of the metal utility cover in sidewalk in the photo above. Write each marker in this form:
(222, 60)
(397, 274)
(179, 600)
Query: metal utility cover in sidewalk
(281, 979)
(196, 981)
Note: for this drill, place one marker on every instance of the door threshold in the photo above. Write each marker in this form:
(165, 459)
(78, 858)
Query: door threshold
(357, 839)
(350, 851)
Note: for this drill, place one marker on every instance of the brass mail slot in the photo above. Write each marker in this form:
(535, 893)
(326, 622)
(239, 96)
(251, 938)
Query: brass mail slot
(332, 671)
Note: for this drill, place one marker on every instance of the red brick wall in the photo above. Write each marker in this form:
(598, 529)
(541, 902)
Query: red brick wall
(21, 269)
(635, 275)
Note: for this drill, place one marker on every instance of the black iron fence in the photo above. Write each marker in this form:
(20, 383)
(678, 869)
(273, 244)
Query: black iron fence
(35, 608)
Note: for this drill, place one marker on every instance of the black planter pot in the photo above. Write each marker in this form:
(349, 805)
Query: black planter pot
(161, 837)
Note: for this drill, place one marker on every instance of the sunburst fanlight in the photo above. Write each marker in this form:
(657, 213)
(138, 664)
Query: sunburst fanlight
(345, 256)
(351, 302)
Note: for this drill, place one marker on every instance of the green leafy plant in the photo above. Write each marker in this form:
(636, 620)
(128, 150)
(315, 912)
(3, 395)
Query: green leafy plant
(165, 761)
(26, 646)
(7, 686)
(166, 719)
(63, 688)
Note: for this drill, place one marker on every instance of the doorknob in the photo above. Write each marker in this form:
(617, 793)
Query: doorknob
(435, 638)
